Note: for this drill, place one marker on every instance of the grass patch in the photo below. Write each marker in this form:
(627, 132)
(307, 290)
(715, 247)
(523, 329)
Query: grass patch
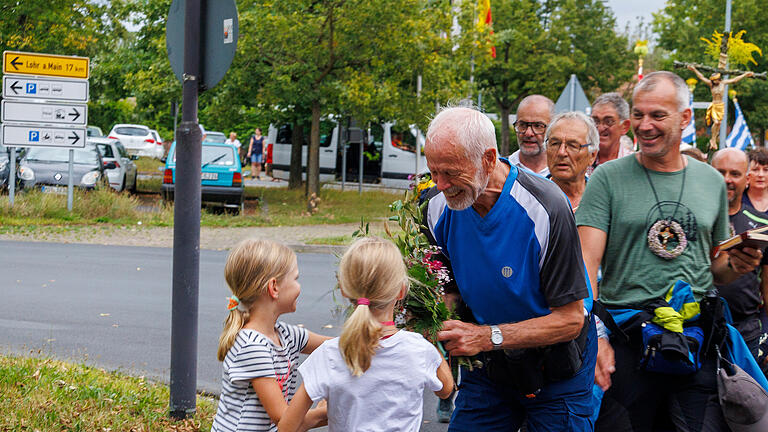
(49, 395)
(264, 207)
(149, 165)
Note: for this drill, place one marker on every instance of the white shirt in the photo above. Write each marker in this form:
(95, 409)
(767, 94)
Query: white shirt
(514, 159)
(235, 143)
(388, 397)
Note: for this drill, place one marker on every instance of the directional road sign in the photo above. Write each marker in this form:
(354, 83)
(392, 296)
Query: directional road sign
(72, 114)
(45, 88)
(37, 136)
(15, 62)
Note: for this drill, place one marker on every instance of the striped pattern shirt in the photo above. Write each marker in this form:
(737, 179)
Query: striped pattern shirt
(254, 355)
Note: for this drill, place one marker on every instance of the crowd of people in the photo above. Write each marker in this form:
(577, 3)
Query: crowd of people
(583, 272)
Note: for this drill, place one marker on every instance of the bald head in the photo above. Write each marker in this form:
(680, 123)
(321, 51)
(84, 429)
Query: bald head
(537, 101)
(731, 155)
(732, 164)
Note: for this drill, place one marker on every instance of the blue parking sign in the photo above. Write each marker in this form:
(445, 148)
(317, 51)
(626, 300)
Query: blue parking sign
(34, 136)
(31, 88)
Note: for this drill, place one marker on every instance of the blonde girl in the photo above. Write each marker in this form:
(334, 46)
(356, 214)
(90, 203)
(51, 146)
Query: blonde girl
(259, 353)
(374, 375)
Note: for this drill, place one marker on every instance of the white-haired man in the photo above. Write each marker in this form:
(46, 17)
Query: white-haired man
(510, 238)
(610, 112)
(650, 221)
(571, 142)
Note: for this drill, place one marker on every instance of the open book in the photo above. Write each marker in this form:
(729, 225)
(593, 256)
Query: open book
(756, 238)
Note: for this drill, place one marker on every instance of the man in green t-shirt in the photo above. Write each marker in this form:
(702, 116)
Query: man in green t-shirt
(650, 219)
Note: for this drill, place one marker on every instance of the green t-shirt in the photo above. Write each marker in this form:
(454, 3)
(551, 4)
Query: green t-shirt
(619, 201)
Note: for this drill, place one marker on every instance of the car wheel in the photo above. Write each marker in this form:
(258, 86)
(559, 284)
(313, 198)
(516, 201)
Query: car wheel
(135, 186)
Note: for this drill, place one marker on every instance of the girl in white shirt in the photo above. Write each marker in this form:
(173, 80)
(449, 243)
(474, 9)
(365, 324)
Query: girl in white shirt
(260, 354)
(373, 376)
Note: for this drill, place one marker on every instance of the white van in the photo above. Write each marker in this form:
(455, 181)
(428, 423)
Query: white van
(389, 156)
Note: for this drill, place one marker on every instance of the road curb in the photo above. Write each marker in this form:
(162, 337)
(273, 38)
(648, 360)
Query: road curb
(312, 248)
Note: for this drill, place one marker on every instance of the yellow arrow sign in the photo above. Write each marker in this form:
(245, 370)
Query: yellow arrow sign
(45, 65)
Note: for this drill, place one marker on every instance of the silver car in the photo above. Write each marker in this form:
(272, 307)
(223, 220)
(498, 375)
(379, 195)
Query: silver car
(137, 139)
(124, 175)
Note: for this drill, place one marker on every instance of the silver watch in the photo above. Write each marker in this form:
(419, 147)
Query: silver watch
(496, 337)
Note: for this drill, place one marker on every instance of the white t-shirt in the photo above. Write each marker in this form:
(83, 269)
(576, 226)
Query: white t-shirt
(235, 143)
(514, 159)
(388, 397)
(254, 355)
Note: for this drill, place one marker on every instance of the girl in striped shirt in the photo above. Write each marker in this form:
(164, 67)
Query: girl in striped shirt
(259, 353)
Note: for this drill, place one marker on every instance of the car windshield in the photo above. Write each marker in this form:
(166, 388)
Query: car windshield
(215, 137)
(216, 155)
(132, 131)
(121, 150)
(61, 154)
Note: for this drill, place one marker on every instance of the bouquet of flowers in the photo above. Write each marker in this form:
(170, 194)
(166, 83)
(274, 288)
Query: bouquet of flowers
(424, 309)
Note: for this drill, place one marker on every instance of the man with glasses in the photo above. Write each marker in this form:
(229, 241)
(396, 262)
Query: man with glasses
(610, 113)
(533, 116)
(571, 143)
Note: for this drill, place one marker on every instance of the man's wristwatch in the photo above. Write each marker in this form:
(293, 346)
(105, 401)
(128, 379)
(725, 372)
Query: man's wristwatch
(496, 337)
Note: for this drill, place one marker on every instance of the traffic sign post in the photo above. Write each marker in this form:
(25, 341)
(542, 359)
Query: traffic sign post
(201, 38)
(45, 88)
(47, 113)
(25, 63)
(38, 111)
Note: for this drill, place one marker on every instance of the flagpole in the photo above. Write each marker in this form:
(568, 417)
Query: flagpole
(724, 123)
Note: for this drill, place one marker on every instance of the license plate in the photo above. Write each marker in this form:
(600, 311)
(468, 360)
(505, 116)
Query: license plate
(60, 190)
(210, 176)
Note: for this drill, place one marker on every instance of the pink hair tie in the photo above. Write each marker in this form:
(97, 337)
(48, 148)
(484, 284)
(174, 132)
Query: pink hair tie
(363, 301)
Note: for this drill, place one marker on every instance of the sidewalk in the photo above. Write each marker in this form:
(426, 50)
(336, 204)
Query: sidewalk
(295, 237)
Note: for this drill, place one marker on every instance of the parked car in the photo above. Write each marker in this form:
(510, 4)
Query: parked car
(160, 149)
(124, 175)
(5, 167)
(222, 179)
(48, 168)
(137, 139)
(94, 131)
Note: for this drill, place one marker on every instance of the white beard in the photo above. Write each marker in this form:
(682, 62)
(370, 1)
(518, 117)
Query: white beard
(470, 193)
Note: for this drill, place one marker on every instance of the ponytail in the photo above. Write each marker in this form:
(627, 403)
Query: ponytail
(232, 325)
(371, 269)
(359, 339)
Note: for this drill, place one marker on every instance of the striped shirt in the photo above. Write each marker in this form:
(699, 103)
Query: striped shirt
(254, 355)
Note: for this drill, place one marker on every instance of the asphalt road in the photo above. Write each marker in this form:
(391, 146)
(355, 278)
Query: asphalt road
(110, 306)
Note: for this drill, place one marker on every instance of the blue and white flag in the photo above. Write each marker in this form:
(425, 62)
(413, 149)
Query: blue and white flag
(739, 137)
(689, 133)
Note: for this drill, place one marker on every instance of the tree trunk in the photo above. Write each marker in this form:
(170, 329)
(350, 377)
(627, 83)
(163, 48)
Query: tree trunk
(313, 157)
(504, 149)
(297, 139)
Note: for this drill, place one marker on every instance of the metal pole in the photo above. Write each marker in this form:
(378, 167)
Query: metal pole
(360, 173)
(724, 123)
(70, 182)
(12, 177)
(186, 228)
(418, 132)
(572, 85)
(343, 140)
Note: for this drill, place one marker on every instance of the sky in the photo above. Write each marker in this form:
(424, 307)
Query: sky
(628, 11)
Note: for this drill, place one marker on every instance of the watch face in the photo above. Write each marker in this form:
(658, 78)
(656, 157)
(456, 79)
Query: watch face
(496, 338)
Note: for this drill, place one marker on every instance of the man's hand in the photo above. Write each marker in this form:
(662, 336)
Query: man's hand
(605, 365)
(745, 260)
(465, 339)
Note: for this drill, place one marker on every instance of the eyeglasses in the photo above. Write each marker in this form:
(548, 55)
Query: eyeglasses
(608, 121)
(571, 147)
(522, 126)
